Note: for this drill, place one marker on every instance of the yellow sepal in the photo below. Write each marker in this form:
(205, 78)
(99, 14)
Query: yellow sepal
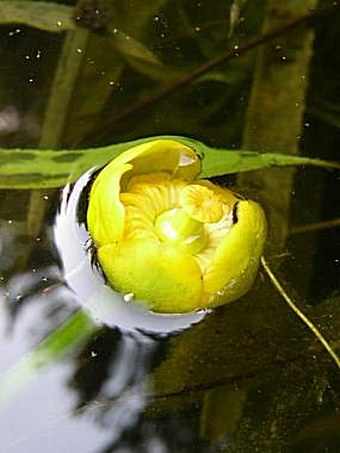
(167, 279)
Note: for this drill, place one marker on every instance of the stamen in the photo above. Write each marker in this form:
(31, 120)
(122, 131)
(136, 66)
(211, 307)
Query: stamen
(201, 203)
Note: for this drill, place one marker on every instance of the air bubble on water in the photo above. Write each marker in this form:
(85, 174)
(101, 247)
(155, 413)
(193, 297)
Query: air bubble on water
(197, 29)
(115, 30)
(94, 354)
(45, 197)
(79, 50)
(128, 297)
(15, 32)
(156, 19)
(27, 57)
(59, 23)
(111, 82)
(30, 80)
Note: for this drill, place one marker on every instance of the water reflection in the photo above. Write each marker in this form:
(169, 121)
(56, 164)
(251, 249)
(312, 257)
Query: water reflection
(101, 389)
(125, 390)
(99, 397)
(114, 380)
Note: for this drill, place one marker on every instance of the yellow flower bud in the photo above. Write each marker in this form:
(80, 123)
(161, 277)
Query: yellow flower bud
(176, 243)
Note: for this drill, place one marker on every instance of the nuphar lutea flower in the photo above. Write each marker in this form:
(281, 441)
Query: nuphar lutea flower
(176, 243)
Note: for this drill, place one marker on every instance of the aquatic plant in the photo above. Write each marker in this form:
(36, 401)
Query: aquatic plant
(164, 237)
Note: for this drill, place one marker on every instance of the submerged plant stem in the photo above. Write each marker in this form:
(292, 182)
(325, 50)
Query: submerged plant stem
(299, 313)
(315, 226)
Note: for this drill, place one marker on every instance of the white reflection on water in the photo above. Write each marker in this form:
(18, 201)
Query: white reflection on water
(124, 396)
(37, 410)
(105, 305)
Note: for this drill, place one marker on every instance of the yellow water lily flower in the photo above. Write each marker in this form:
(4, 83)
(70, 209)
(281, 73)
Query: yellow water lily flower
(164, 237)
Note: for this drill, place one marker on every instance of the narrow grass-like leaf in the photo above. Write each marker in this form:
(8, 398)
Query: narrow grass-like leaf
(45, 16)
(31, 169)
(139, 57)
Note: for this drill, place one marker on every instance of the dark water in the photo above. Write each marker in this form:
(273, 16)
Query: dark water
(246, 377)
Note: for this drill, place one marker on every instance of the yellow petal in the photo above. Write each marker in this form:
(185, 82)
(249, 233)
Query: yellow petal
(233, 268)
(105, 214)
(165, 278)
(161, 155)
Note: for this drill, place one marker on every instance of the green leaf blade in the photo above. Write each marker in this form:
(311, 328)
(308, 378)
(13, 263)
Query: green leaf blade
(34, 169)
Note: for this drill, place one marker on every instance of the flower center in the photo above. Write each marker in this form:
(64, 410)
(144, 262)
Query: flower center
(184, 226)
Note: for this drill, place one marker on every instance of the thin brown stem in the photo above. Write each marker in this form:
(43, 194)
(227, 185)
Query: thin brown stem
(315, 226)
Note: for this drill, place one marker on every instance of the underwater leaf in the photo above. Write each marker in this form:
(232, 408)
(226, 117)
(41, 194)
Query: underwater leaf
(31, 169)
(60, 95)
(50, 17)
(72, 333)
(111, 46)
(276, 107)
(101, 68)
(135, 18)
(139, 57)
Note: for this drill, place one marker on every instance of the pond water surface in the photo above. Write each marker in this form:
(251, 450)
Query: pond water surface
(248, 376)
